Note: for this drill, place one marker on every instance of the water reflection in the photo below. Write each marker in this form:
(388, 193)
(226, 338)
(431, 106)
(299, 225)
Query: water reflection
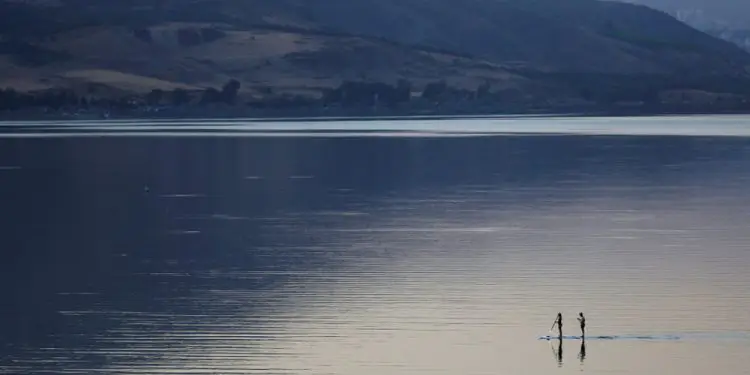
(582, 351)
(558, 352)
(399, 256)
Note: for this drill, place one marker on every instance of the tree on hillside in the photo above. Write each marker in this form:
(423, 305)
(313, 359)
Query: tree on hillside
(188, 37)
(180, 97)
(433, 91)
(143, 35)
(483, 90)
(10, 99)
(230, 90)
(154, 97)
(210, 95)
(210, 34)
(403, 90)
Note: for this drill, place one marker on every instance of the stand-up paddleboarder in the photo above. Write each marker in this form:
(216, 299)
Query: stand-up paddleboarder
(582, 322)
(559, 323)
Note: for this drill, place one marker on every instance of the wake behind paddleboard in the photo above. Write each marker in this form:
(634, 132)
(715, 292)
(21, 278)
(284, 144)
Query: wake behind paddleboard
(665, 337)
(577, 337)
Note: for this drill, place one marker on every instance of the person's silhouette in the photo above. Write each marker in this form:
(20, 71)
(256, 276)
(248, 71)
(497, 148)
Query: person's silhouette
(582, 322)
(559, 323)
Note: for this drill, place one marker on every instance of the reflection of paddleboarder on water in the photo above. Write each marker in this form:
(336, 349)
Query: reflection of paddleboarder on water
(557, 351)
(582, 352)
(559, 323)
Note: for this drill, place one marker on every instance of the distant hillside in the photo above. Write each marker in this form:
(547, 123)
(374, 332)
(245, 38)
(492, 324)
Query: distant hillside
(572, 35)
(724, 19)
(730, 13)
(572, 47)
(740, 37)
(192, 45)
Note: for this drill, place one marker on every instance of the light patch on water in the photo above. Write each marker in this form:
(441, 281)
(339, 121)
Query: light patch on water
(236, 134)
(713, 125)
(342, 213)
(228, 217)
(183, 196)
(220, 217)
(427, 230)
(184, 232)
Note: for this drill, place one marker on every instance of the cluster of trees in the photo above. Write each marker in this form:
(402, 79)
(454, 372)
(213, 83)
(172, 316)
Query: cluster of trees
(351, 93)
(56, 99)
(347, 94)
(369, 93)
(604, 91)
(609, 89)
(178, 97)
(11, 100)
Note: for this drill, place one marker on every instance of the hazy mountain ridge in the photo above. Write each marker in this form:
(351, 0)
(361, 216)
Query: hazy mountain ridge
(725, 19)
(728, 13)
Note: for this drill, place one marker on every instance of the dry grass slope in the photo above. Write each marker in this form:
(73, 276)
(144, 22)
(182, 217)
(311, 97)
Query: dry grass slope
(258, 58)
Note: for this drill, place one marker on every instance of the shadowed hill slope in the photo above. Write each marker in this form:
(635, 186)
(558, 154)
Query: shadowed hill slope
(579, 35)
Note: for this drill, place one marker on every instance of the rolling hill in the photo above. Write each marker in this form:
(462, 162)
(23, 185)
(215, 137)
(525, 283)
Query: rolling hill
(304, 47)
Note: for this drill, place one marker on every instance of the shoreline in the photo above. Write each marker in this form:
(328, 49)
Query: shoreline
(4, 118)
(338, 115)
(550, 124)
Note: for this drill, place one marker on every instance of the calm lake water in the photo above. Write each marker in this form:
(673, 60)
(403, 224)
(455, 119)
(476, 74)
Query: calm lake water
(375, 247)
